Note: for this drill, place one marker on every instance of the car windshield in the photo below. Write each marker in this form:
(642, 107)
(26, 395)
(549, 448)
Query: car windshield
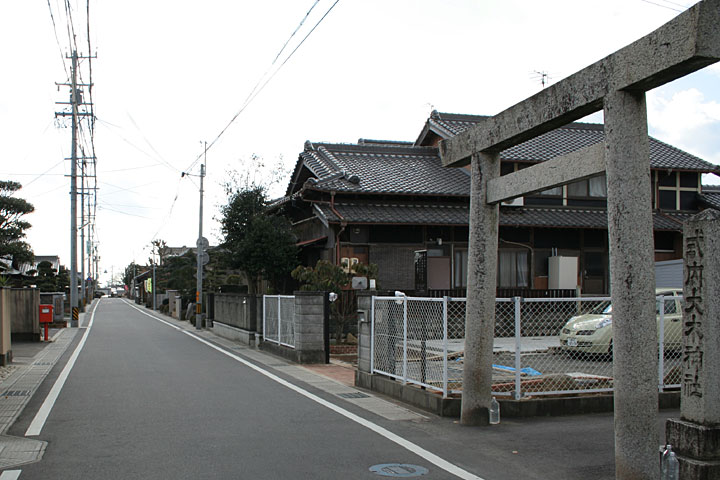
(603, 309)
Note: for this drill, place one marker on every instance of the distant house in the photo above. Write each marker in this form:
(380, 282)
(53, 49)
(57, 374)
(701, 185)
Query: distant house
(53, 259)
(7, 269)
(393, 204)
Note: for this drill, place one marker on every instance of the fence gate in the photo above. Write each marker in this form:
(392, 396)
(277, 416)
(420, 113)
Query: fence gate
(278, 319)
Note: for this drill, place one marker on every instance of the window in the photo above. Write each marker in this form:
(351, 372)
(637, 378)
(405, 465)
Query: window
(513, 268)
(593, 187)
(578, 189)
(664, 241)
(557, 191)
(677, 190)
(597, 186)
(591, 192)
(460, 269)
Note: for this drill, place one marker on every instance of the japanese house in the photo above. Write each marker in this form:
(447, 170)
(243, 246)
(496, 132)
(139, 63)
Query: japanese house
(393, 204)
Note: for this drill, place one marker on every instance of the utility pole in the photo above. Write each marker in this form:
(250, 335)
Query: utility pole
(83, 293)
(154, 285)
(73, 195)
(75, 101)
(200, 252)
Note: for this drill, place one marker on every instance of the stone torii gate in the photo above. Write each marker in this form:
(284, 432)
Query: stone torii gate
(617, 85)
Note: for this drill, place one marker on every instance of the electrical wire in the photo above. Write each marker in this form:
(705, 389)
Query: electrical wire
(169, 215)
(253, 96)
(150, 144)
(70, 25)
(663, 6)
(103, 207)
(57, 40)
(108, 124)
(302, 22)
(681, 5)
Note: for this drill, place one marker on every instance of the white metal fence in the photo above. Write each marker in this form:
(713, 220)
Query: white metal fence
(278, 319)
(542, 346)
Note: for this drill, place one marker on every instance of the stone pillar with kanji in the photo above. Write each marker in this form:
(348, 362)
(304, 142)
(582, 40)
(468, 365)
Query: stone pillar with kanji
(696, 435)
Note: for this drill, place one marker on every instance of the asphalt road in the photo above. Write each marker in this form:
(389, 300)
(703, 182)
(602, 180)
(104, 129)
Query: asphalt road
(145, 400)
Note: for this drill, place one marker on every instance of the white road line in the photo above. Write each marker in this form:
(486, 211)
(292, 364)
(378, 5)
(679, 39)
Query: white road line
(416, 449)
(10, 475)
(41, 416)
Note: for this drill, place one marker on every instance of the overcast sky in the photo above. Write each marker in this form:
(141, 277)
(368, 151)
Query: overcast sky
(170, 75)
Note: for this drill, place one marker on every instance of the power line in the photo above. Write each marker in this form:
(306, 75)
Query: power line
(172, 205)
(103, 207)
(681, 5)
(150, 144)
(126, 189)
(69, 25)
(296, 30)
(57, 40)
(133, 168)
(252, 95)
(664, 6)
(117, 127)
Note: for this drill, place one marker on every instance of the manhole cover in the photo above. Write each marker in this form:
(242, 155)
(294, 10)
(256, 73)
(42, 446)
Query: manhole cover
(353, 395)
(403, 470)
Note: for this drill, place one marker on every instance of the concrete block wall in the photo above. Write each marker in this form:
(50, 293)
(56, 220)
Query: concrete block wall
(5, 338)
(23, 307)
(237, 309)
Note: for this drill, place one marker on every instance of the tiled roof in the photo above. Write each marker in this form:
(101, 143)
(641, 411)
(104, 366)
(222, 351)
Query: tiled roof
(710, 196)
(398, 168)
(433, 214)
(566, 139)
(405, 170)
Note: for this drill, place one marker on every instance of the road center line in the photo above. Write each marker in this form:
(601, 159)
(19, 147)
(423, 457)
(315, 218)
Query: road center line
(41, 416)
(408, 445)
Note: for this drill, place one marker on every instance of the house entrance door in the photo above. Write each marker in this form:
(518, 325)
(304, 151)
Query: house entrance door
(594, 273)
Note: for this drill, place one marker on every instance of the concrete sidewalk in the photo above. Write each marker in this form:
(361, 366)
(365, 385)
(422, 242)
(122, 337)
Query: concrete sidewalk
(31, 364)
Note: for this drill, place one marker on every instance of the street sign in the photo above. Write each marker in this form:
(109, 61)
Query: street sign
(202, 242)
(205, 258)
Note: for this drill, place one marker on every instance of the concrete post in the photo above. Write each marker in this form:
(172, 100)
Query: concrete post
(171, 294)
(632, 280)
(364, 303)
(310, 310)
(480, 310)
(696, 436)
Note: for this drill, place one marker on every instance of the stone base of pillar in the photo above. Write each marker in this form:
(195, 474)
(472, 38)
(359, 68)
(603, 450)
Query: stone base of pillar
(697, 448)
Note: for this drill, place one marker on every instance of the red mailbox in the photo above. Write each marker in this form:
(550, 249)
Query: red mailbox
(46, 317)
